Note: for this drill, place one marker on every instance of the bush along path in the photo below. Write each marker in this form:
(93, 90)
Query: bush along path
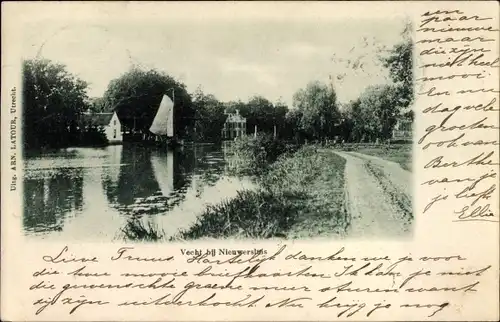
(379, 197)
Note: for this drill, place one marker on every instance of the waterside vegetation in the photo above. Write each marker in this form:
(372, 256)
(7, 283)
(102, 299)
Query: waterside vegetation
(300, 194)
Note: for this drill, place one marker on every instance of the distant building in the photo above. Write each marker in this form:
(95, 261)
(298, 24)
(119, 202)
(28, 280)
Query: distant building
(109, 122)
(235, 126)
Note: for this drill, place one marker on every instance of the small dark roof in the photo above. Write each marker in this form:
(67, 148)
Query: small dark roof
(99, 119)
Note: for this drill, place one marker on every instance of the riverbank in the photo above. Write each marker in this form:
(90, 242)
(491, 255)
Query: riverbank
(301, 195)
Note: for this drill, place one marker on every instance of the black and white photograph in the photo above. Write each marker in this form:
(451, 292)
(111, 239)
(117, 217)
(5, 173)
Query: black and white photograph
(178, 130)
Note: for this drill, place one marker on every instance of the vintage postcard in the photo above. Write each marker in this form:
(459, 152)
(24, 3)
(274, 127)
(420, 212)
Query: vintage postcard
(250, 161)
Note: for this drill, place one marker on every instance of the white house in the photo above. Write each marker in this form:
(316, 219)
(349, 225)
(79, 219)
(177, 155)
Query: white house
(235, 126)
(109, 122)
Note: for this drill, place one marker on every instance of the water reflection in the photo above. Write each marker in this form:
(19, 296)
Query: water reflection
(150, 180)
(57, 193)
(89, 193)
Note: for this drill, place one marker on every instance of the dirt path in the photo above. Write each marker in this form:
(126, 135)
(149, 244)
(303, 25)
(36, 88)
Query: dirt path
(379, 196)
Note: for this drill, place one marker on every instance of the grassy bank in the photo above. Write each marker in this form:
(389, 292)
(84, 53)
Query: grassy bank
(252, 214)
(399, 153)
(301, 195)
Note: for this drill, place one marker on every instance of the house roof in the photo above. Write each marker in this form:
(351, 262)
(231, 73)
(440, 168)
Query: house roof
(234, 117)
(99, 119)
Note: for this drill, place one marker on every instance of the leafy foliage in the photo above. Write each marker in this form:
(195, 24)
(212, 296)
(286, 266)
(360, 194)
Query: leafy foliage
(210, 117)
(255, 154)
(320, 113)
(375, 113)
(97, 105)
(292, 125)
(399, 61)
(53, 100)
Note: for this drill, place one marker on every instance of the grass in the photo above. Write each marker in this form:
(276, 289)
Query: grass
(136, 230)
(398, 198)
(399, 153)
(252, 214)
(319, 175)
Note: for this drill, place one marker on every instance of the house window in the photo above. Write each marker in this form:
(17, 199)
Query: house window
(114, 122)
(114, 133)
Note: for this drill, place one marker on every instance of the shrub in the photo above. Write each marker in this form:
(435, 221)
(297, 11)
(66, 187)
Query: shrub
(254, 154)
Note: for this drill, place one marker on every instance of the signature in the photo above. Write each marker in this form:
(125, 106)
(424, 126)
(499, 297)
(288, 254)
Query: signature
(479, 213)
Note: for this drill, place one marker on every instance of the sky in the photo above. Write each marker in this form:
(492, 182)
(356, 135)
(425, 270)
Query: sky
(233, 59)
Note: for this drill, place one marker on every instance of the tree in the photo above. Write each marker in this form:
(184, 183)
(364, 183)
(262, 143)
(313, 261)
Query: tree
(280, 112)
(210, 116)
(260, 112)
(375, 113)
(399, 61)
(53, 101)
(292, 124)
(97, 105)
(320, 113)
(136, 97)
(347, 121)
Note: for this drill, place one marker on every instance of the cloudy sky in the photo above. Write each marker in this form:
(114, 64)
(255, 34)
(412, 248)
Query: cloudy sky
(230, 58)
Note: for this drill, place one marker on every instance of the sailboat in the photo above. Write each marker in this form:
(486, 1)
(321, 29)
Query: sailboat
(163, 123)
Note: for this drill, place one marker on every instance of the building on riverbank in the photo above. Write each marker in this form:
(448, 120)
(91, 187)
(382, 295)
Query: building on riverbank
(235, 126)
(109, 122)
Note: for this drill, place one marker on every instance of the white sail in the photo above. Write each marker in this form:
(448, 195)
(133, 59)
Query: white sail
(163, 124)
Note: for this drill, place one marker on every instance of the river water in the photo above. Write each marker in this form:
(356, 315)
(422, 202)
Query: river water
(89, 194)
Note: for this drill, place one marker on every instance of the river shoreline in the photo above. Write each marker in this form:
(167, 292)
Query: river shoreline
(301, 195)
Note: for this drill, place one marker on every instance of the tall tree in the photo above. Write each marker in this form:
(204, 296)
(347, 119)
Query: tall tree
(53, 100)
(399, 61)
(97, 105)
(260, 113)
(210, 116)
(347, 122)
(136, 96)
(375, 113)
(320, 113)
(292, 125)
(280, 112)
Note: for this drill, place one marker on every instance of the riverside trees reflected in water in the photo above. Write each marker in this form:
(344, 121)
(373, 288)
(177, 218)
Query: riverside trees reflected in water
(91, 193)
